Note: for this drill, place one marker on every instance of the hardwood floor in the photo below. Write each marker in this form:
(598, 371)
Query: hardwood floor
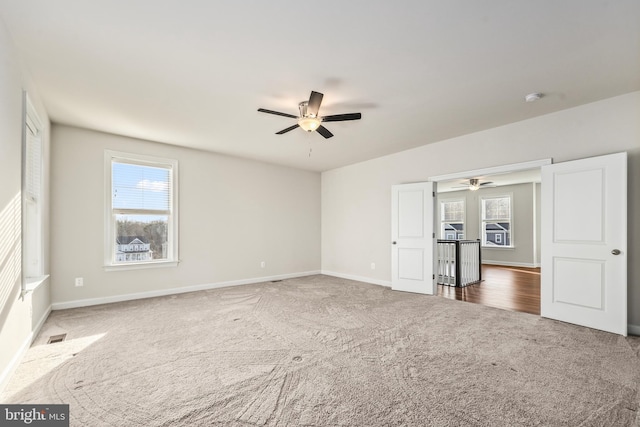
(509, 288)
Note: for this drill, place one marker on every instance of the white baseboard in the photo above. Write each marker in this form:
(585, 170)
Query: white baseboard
(633, 329)
(17, 357)
(358, 278)
(173, 291)
(510, 264)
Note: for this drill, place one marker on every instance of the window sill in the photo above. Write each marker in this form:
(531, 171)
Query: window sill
(33, 283)
(500, 248)
(140, 266)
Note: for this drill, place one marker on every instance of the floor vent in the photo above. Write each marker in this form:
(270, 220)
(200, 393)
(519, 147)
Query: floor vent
(56, 338)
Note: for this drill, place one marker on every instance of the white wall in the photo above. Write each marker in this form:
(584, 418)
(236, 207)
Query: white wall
(19, 317)
(523, 222)
(356, 200)
(233, 214)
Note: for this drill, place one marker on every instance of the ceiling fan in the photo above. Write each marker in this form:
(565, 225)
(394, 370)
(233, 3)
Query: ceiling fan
(309, 119)
(475, 184)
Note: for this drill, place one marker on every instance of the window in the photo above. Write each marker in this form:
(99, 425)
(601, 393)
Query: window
(32, 238)
(141, 219)
(452, 219)
(496, 221)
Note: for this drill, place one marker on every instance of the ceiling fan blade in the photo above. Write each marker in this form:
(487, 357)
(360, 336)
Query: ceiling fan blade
(486, 183)
(314, 103)
(277, 113)
(288, 129)
(342, 117)
(324, 132)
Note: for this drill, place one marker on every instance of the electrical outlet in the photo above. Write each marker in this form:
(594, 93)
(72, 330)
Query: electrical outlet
(263, 264)
(373, 265)
(79, 281)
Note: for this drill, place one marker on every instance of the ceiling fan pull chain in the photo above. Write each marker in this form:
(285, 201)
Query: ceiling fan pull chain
(310, 152)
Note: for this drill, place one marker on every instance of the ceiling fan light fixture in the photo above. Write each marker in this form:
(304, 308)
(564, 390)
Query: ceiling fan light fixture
(474, 184)
(309, 119)
(309, 123)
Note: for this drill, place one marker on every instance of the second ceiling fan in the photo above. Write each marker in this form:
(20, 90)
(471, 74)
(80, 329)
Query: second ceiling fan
(309, 119)
(475, 184)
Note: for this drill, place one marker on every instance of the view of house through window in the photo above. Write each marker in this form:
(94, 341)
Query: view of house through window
(496, 221)
(142, 228)
(452, 219)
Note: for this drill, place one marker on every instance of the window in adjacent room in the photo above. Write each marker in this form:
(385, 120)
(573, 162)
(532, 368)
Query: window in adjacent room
(32, 234)
(497, 221)
(141, 219)
(452, 219)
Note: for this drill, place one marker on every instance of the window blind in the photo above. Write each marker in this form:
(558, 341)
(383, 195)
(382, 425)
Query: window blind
(496, 208)
(33, 165)
(139, 188)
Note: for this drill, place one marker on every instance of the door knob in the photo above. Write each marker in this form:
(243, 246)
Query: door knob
(393, 243)
(616, 251)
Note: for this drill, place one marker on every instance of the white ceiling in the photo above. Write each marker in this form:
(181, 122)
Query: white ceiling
(194, 72)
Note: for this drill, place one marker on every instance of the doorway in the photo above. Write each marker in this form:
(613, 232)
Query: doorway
(502, 211)
(583, 233)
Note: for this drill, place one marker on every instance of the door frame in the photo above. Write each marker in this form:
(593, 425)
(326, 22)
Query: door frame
(512, 167)
(503, 169)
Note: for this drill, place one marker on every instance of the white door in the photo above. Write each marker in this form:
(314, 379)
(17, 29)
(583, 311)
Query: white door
(412, 238)
(584, 242)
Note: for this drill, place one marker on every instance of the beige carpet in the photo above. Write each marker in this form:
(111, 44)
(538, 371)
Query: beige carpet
(321, 351)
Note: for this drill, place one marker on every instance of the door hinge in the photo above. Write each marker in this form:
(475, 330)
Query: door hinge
(433, 276)
(434, 193)
(433, 235)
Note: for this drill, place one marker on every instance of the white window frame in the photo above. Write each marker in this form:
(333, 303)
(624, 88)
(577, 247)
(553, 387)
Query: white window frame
(109, 219)
(509, 220)
(464, 215)
(33, 274)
